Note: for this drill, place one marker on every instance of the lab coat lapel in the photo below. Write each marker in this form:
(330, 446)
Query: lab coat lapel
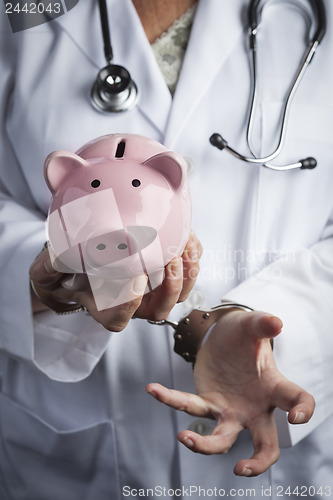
(130, 47)
(217, 25)
(82, 25)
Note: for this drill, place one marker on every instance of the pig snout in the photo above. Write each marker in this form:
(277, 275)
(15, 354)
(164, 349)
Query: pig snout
(117, 245)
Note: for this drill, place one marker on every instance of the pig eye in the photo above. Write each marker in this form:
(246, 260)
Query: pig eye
(95, 183)
(136, 183)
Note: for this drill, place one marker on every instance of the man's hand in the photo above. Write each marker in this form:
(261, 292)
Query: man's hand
(238, 384)
(180, 276)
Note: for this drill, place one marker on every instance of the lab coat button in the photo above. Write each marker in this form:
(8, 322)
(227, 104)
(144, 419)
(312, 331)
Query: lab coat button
(202, 427)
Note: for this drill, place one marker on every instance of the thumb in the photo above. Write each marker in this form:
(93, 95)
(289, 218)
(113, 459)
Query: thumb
(261, 325)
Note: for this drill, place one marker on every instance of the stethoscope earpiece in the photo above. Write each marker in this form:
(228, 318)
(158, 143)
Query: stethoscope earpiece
(114, 90)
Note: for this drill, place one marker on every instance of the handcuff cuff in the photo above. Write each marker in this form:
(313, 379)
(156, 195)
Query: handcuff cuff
(191, 330)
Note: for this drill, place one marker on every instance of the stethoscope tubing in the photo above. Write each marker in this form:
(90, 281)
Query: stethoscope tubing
(114, 90)
(218, 141)
(318, 10)
(286, 109)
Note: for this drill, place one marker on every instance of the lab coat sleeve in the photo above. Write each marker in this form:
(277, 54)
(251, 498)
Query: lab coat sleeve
(298, 288)
(63, 348)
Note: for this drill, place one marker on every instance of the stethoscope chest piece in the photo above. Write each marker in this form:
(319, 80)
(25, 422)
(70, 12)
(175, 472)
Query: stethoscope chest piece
(114, 90)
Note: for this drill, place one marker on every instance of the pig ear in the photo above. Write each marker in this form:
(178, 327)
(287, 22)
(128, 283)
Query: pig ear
(172, 166)
(58, 165)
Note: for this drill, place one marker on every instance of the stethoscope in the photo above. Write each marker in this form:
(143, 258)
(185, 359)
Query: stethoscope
(114, 90)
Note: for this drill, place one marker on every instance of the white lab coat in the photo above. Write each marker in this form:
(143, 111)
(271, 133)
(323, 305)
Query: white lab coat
(75, 421)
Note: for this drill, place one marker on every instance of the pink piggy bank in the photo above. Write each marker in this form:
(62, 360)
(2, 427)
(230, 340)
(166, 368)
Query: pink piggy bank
(120, 208)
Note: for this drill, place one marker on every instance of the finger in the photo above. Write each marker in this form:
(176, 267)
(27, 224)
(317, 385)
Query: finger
(219, 442)
(261, 325)
(266, 448)
(183, 401)
(76, 282)
(191, 268)
(166, 296)
(41, 271)
(117, 317)
(196, 240)
(292, 398)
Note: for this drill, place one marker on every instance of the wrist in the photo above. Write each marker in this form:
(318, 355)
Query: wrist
(43, 300)
(192, 330)
(36, 305)
(227, 311)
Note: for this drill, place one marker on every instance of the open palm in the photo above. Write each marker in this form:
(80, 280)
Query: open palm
(238, 384)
